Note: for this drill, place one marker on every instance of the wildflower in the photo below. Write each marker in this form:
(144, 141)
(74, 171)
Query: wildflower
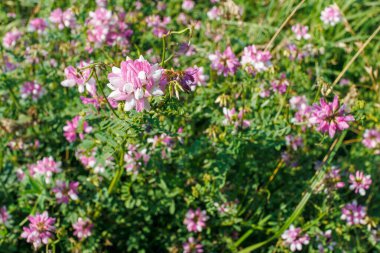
(20, 174)
(63, 18)
(38, 24)
(294, 142)
(280, 85)
(188, 5)
(200, 78)
(159, 25)
(83, 228)
(214, 13)
(64, 192)
(40, 230)
(328, 117)
(45, 167)
(33, 90)
(297, 102)
(224, 63)
(331, 15)
(325, 237)
(360, 182)
(134, 82)
(135, 159)
(192, 246)
(294, 239)
(195, 221)
(235, 118)
(333, 180)
(371, 138)
(73, 77)
(301, 32)
(4, 215)
(10, 38)
(76, 127)
(354, 214)
(255, 60)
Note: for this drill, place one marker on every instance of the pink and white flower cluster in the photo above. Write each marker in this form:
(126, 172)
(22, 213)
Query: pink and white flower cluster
(200, 79)
(32, 90)
(45, 167)
(195, 221)
(192, 246)
(254, 60)
(359, 182)
(354, 214)
(82, 79)
(40, 230)
(135, 159)
(134, 82)
(10, 38)
(159, 25)
(104, 27)
(63, 18)
(83, 228)
(333, 180)
(64, 192)
(76, 128)
(4, 215)
(280, 85)
(301, 32)
(328, 117)
(294, 239)
(331, 15)
(295, 142)
(371, 139)
(37, 25)
(225, 63)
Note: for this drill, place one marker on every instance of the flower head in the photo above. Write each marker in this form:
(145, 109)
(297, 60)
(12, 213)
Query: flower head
(40, 230)
(45, 167)
(301, 32)
(63, 18)
(233, 117)
(33, 90)
(224, 63)
(134, 82)
(199, 77)
(82, 228)
(38, 24)
(354, 214)
(329, 117)
(255, 60)
(331, 15)
(188, 5)
(4, 215)
(294, 239)
(360, 182)
(192, 246)
(10, 38)
(135, 159)
(76, 127)
(195, 221)
(371, 138)
(73, 77)
(64, 192)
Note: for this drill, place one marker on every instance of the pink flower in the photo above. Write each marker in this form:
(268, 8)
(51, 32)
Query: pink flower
(73, 77)
(83, 228)
(76, 127)
(4, 215)
(224, 63)
(159, 25)
(280, 85)
(235, 118)
(298, 102)
(64, 192)
(195, 221)
(200, 78)
(301, 32)
(255, 60)
(188, 5)
(38, 24)
(192, 246)
(63, 18)
(40, 230)
(360, 182)
(331, 15)
(33, 90)
(333, 179)
(354, 214)
(45, 167)
(371, 138)
(328, 117)
(294, 142)
(134, 82)
(294, 239)
(214, 13)
(135, 159)
(10, 38)
(20, 174)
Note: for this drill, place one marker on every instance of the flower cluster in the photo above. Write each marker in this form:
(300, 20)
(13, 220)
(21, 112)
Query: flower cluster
(10, 38)
(45, 167)
(331, 15)
(235, 118)
(135, 159)
(328, 117)
(159, 25)
(254, 60)
(354, 214)
(134, 82)
(40, 230)
(64, 192)
(294, 239)
(301, 32)
(371, 139)
(225, 63)
(195, 221)
(192, 246)
(4, 215)
(37, 25)
(75, 128)
(32, 90)
(83, 228)
(359, 182)
(82, 79)
(63, 18)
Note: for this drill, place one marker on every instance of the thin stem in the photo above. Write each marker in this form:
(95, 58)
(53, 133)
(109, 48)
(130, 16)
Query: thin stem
(283, 25)
(355, 56)
(117, 177)
(104, 95)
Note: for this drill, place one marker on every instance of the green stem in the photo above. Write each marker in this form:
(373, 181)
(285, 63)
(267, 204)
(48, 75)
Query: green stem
(316, 180)
(119, 173)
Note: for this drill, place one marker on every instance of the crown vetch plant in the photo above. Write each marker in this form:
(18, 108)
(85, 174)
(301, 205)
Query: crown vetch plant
(189, 126)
